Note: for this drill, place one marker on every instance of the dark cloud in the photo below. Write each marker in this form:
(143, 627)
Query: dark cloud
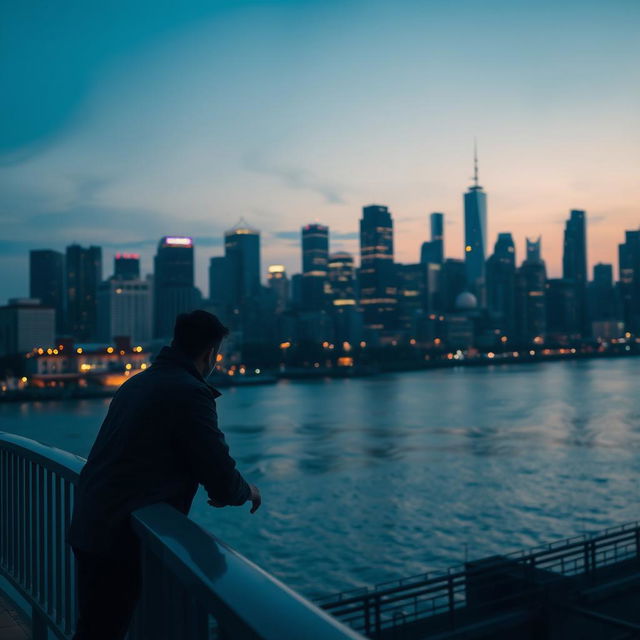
(296, 178)
(287, 235)
(344, 235)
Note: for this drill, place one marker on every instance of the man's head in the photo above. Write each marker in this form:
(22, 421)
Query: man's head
(198, 334)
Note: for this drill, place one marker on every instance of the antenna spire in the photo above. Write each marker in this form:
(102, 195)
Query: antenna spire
(475, 162)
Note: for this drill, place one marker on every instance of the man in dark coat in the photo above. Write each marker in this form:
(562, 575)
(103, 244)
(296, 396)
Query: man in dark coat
(159, 440)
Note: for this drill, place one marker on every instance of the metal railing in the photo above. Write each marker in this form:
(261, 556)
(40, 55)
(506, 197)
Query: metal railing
(193, 585)
(393, 604)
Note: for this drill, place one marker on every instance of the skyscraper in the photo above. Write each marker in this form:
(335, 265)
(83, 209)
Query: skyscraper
(452, 283)
(562, 307)
(413, 294)
(46, 281)
(84, 274)
(342, 279)
(433, 252)
(279, 283)
(124, 309)
(501, 271)
(629, 285)
(574, 264)
(242, 250)
(219, 292)
(126, 266)
(475, 236)
(378, 287)
(601, 294)
(531, 310)
(315, 257)
(173, 284)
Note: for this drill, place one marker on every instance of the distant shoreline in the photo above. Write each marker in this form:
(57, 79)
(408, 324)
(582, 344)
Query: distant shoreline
(313, 373)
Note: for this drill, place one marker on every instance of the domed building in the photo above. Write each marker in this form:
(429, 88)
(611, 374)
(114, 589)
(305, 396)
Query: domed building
(466, 301)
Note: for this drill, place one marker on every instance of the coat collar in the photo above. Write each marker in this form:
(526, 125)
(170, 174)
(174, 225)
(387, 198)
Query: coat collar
(173, 355)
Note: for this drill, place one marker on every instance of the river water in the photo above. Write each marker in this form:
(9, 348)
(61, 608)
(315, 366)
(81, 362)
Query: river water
(372, 479)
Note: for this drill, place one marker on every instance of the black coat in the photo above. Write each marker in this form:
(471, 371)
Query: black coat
(159, 440)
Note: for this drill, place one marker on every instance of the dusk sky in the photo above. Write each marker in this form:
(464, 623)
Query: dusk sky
(123, 122)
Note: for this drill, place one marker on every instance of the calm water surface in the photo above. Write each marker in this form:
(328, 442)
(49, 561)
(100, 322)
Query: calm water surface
(379, 478)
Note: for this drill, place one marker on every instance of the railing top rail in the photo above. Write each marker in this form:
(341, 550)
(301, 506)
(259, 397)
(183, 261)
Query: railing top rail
(61, 462)
(553, 550)
(231, 584)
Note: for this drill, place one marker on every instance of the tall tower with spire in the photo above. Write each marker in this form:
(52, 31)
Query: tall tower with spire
(475, 235)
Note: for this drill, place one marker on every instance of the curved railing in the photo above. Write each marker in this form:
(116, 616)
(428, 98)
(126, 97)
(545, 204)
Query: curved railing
(193, 585)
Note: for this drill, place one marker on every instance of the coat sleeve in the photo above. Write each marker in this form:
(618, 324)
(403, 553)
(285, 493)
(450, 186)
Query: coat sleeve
(207, 452)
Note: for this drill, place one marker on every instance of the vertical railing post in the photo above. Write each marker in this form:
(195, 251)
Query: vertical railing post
(35, 565)
(367, 615)
(451, 601)
(49, 521)
(68, 593)
(57, 507)
(377, 612)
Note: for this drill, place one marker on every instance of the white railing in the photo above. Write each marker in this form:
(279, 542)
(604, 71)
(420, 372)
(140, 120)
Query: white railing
(193, 585)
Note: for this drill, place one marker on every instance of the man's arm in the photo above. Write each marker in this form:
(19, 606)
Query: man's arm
(208, 453)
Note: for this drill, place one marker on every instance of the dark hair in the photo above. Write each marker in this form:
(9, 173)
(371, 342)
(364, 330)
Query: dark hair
(196, 331)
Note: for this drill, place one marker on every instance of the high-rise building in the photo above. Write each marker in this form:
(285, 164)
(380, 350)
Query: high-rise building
(601, 294)
(534, 249)
(26, 324)
(126, 266)
(315, 258)
(219, 286)
(563, 322)
(342, 279)
(475, 237)
(501, 272)
(531, 310)
(629, 285)
(296, 291)
(279, 283)
(242, 250)
(343, 293)
(124, 310)
(173, 283)
(378, 287)
(46, 281)
(413, 294)
(574, 264)
(453, 283)
(84, 274)
(433, 251)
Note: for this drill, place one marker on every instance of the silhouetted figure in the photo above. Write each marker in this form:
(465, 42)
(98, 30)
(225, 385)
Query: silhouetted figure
(159, 440)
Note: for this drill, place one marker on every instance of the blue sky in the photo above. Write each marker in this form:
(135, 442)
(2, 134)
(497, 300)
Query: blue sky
(125, 122)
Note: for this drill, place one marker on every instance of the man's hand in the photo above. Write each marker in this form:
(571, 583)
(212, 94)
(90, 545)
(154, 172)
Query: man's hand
(256, 498)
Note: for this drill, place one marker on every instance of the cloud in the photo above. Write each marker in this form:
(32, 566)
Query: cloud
(287, 235)
(295, 178)
(344, 235)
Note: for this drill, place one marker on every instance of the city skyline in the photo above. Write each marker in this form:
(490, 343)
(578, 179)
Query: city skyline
(297, 239)
(187, 120)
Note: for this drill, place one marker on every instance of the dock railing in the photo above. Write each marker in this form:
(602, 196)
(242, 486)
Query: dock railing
(193, 584)
(482, 585)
